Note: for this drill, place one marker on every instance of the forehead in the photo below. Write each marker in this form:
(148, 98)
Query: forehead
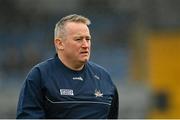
(73, 27)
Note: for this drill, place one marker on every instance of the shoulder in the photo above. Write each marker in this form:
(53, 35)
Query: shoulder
(102, 74)
(46, 63)
(99, 70)
(96, 67)
(46, 66)
(39, 71)
(41, 67)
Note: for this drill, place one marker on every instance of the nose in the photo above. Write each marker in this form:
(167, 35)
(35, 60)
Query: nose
(85, 43)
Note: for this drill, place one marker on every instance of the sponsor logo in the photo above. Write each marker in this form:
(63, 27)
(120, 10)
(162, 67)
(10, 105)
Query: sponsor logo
(97, 77)
(98, 93)
(78, 78)
(66, 92)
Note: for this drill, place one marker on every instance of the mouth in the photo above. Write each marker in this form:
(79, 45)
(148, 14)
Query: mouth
(84, 52)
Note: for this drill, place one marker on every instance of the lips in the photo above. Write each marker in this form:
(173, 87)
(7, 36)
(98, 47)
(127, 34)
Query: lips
(84, 52)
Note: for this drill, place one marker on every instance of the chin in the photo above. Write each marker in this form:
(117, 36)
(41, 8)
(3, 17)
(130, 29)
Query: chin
(84, 60)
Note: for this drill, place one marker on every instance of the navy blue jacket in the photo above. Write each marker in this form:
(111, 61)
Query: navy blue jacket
(51, 90)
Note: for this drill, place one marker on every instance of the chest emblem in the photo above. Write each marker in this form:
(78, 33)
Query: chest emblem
(78, 78)
(97, 77)
(98, 93)
(66, 92)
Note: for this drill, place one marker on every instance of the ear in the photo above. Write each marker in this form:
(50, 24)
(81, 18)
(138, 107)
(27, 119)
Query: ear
(59, 44)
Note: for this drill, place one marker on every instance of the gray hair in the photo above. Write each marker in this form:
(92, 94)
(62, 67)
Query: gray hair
(59, 28)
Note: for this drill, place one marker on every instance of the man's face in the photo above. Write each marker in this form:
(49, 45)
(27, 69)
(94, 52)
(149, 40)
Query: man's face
(77, 42)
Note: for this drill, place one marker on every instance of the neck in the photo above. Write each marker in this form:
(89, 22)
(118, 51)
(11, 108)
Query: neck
(71, 65)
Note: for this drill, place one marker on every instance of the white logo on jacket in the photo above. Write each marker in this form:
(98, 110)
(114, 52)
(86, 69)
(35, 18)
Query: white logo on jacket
(97, 77)
(66, 92)
(78, 78)
(98, 93)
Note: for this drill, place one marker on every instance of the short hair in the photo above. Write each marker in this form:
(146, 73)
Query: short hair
(59, 28)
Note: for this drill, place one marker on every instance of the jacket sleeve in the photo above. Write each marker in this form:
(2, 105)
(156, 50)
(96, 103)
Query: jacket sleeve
(30, 104)
(114, 109)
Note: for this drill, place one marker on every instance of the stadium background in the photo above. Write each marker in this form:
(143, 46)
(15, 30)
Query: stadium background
(138, 41)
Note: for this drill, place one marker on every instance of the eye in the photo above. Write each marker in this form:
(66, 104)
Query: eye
(78, 39)
(88, 39)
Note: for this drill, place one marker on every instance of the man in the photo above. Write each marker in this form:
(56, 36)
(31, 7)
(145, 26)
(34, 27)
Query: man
(68, 85)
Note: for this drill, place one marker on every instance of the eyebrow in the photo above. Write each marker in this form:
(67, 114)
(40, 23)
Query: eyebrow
(82, 36)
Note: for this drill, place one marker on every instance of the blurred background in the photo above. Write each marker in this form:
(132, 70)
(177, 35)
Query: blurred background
(137, 41)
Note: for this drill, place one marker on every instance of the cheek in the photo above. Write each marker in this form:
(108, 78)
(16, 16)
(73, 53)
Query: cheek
(72, 48)
(89, 44)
